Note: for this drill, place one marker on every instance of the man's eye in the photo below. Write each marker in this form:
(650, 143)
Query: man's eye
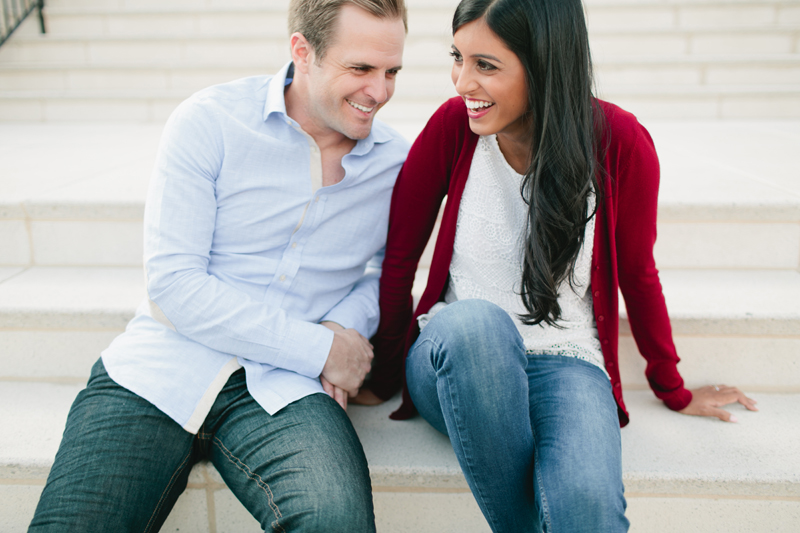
(392, 72)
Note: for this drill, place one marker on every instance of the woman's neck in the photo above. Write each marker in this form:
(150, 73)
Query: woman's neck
(517, 151)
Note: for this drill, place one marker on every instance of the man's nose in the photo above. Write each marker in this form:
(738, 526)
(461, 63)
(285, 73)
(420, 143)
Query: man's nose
(378, 88)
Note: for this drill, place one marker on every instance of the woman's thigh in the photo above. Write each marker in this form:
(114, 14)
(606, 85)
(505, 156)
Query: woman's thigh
(577, 446)
(121, 465)
(302, 469)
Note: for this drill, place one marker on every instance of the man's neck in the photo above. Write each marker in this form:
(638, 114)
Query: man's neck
(296, 98)
(333, 145)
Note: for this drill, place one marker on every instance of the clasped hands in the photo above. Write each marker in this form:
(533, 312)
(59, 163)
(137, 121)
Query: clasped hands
(349, 361)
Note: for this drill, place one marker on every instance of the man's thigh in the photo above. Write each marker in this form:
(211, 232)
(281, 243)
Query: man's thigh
(301, 470)
(121, 465)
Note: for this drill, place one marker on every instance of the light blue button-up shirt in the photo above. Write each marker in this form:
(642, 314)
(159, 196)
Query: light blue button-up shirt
(245, 253)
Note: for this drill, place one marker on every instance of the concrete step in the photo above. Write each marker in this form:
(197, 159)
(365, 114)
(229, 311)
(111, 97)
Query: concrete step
(680, 473)
(74, 193)
(685, 59)
(427, 77)
(267, 18)
(173, 47)
(739, 327)
(651, 102)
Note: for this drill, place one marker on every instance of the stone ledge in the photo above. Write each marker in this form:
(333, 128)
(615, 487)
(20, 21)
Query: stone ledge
(663, 452)
(690, 468)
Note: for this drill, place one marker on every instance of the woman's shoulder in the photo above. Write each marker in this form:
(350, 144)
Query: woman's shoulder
(622, 126)
(447, 131)
(624, 135)
(451, 118)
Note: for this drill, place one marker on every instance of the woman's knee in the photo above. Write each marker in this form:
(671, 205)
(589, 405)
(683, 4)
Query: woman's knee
(475, 327)
(587, 498)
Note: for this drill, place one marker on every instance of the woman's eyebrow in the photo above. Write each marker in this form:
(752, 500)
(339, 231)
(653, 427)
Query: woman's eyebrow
(487, 56)
(480, 56)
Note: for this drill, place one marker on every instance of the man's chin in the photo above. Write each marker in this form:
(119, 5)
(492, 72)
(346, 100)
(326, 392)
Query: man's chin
(356, 134)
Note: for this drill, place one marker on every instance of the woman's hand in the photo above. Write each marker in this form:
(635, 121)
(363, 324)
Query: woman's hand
(706, 401)
(366, 397)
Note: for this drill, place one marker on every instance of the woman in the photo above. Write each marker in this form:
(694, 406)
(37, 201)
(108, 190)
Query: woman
(512, 351)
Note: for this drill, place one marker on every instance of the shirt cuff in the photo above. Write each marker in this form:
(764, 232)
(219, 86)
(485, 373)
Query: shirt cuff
(349, 315)
(306, 348)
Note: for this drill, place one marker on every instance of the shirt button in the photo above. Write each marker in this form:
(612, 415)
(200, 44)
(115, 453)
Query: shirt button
(314, 149)
(601, 318)
(316, 199)
(294, 245)
(283, 277)
(289, 122)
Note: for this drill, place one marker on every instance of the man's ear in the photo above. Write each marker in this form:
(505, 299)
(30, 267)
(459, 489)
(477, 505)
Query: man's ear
(302, 52)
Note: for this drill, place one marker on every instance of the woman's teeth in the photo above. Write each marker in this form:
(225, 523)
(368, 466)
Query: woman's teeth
(361, 107)
(478, 104)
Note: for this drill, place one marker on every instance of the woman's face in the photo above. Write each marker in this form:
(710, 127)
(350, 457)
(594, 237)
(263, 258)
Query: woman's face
(491, 80)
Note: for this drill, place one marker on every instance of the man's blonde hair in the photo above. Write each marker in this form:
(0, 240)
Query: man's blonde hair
(316, 19)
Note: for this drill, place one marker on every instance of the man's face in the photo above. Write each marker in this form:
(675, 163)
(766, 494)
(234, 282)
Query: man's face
(356, 77)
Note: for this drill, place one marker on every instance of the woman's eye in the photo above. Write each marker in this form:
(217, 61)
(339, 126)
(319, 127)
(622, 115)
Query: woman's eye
(456, 56)
(483, 65)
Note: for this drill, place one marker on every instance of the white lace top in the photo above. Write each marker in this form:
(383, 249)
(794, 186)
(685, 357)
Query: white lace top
(487, 260)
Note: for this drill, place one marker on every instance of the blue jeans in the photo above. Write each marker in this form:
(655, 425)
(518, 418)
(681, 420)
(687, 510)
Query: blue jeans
(123, 463)
(537, 436)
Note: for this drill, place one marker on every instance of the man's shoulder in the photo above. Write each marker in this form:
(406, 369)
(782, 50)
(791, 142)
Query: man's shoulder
(231, 94)
(385, 134)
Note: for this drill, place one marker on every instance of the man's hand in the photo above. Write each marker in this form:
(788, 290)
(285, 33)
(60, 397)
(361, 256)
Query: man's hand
(706, 401)
(349, 361)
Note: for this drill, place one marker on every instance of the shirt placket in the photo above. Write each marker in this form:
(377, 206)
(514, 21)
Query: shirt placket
(309, 220)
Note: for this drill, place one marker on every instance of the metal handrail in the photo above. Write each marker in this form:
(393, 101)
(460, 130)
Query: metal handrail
(14, 12)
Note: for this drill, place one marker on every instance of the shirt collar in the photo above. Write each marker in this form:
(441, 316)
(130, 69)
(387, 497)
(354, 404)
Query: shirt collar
(276, 103)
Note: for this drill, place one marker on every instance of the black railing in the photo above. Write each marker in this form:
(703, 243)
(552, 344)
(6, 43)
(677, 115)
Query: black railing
(14, 12)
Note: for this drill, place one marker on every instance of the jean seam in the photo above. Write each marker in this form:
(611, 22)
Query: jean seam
(461, 442)
(259, 481)
(540, 481)
(167, 489)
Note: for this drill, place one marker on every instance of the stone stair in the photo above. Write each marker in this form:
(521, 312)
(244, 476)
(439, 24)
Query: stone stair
(81, 110)
(135, 61)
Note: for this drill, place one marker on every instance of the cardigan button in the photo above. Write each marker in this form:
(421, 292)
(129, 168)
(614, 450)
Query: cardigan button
(600, 318)
(597, 294)
(605, 341)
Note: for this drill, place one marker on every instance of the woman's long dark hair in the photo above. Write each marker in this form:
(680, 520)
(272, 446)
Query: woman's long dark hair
(550, 39)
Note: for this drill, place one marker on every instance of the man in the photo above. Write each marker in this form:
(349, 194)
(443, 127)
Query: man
(269, 198)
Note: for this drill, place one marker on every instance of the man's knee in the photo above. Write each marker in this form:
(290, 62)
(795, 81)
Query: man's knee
(347, 509)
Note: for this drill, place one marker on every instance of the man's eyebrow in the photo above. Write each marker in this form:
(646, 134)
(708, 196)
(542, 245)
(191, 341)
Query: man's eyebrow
(372, 67)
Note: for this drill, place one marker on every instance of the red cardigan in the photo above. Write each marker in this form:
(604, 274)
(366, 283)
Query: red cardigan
(622, 258)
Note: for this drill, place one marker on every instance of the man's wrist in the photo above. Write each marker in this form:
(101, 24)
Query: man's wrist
(333, 326)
